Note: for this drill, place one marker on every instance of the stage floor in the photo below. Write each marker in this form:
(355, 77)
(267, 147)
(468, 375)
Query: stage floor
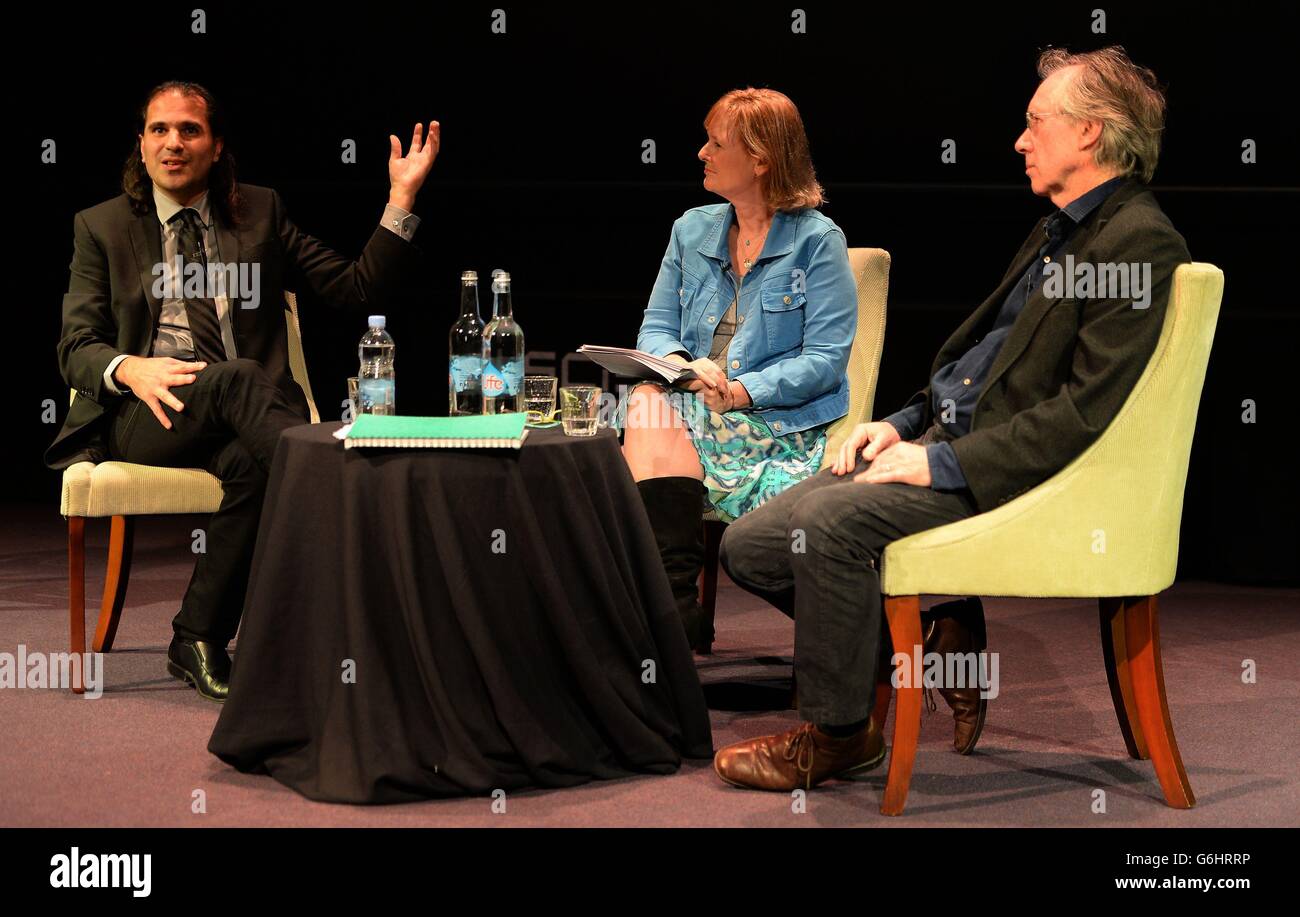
(137, 754)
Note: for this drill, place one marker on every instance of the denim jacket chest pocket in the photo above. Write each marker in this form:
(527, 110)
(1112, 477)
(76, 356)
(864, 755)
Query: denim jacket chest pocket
(783, 302)
(699, 312)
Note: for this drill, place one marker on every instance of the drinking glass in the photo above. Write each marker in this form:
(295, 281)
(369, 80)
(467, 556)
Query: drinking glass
(539, 399)
(353, 398)
(578, 409)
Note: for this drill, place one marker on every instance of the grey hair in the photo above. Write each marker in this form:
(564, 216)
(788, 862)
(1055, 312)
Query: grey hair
(1124, 97)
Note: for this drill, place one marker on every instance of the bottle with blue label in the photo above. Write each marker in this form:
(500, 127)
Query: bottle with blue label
(465, 367)
(376, 392)
(503, 353)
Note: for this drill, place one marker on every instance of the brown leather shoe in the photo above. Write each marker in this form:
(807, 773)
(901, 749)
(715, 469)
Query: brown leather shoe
(958, 627)
(801, 758)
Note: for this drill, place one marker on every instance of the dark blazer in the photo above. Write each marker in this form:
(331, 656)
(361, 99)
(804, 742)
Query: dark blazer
(1069, 364)
(110, 307)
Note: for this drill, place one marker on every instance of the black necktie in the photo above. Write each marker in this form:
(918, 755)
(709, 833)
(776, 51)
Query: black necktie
(205, 329)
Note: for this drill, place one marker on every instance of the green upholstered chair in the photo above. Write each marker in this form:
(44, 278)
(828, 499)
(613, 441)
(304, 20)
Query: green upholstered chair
(1104, 527)
(122, 491)
(871, 268)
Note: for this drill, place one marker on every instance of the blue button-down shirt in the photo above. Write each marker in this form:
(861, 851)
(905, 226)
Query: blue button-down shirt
(956, 388)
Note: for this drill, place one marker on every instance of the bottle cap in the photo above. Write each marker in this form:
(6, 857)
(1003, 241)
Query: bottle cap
(497, 273)
(377, 321)
(467, 276)
(500, 282)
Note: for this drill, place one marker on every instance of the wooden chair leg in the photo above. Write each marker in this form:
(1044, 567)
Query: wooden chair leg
(1142, 644)
(1114, 652)
(115, 580)
(713, 530)
(77, 595)
(903, 613)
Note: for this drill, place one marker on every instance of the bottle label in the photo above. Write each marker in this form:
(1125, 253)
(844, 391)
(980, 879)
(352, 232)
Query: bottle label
(375, 395)
(502, 380)
(465, 373)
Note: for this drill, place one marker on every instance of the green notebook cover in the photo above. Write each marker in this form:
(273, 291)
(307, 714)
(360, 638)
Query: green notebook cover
(484, 431)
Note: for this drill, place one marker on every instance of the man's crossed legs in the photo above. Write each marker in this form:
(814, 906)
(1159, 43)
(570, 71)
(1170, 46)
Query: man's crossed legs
(815, 551)
(233, 417)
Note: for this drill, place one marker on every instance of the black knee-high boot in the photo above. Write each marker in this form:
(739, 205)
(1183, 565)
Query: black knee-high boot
(675, 507)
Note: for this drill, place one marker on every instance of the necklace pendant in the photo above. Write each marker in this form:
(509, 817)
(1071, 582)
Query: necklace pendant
(748, 264)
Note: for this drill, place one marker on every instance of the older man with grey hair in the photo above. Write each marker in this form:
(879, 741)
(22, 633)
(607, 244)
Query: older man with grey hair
(1022, 387)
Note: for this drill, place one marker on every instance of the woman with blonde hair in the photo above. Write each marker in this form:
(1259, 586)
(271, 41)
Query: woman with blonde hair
(756, 297)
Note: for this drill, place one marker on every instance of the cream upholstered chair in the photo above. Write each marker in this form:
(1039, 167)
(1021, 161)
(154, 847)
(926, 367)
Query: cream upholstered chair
(123, 490)
(871, 268)
(1104, 527)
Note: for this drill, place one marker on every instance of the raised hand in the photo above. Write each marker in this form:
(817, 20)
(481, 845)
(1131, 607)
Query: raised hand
(407, 173)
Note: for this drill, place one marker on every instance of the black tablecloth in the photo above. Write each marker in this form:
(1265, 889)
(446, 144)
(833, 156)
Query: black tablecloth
(505, 613)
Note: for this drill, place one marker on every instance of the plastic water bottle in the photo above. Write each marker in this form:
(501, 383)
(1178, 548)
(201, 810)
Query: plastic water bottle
(375, 385)
(465, 367)
(503, 353)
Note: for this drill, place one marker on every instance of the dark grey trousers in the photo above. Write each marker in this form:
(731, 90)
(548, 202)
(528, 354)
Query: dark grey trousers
(814, 552)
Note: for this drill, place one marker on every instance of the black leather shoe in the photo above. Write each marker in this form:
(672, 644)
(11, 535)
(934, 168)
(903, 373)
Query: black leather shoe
(204, 665)
(958, 627)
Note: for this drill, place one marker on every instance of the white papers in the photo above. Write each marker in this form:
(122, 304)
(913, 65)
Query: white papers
(637, 364)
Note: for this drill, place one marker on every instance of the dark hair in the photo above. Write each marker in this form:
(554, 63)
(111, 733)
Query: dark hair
(223, 186)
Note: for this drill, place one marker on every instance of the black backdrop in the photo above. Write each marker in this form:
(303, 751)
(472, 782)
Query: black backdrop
(541, 173)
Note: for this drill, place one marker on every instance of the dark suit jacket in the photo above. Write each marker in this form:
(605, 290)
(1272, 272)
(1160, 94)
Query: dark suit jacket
(1067, 365)
(110, 307)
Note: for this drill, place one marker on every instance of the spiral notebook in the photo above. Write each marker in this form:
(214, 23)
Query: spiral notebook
(489, 431)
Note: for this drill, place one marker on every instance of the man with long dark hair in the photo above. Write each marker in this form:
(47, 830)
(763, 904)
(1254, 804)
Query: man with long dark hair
(177, 289)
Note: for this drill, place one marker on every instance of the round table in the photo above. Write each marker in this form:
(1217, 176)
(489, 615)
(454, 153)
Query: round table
(437, 622)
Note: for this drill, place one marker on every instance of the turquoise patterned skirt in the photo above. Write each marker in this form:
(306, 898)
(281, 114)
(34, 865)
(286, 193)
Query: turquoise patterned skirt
(745, 463)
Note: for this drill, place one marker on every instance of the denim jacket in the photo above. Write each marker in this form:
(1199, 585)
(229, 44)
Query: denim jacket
(795, 319)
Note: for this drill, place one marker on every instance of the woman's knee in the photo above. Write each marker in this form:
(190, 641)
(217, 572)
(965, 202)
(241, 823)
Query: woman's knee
(650, 411)
(653, 444)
